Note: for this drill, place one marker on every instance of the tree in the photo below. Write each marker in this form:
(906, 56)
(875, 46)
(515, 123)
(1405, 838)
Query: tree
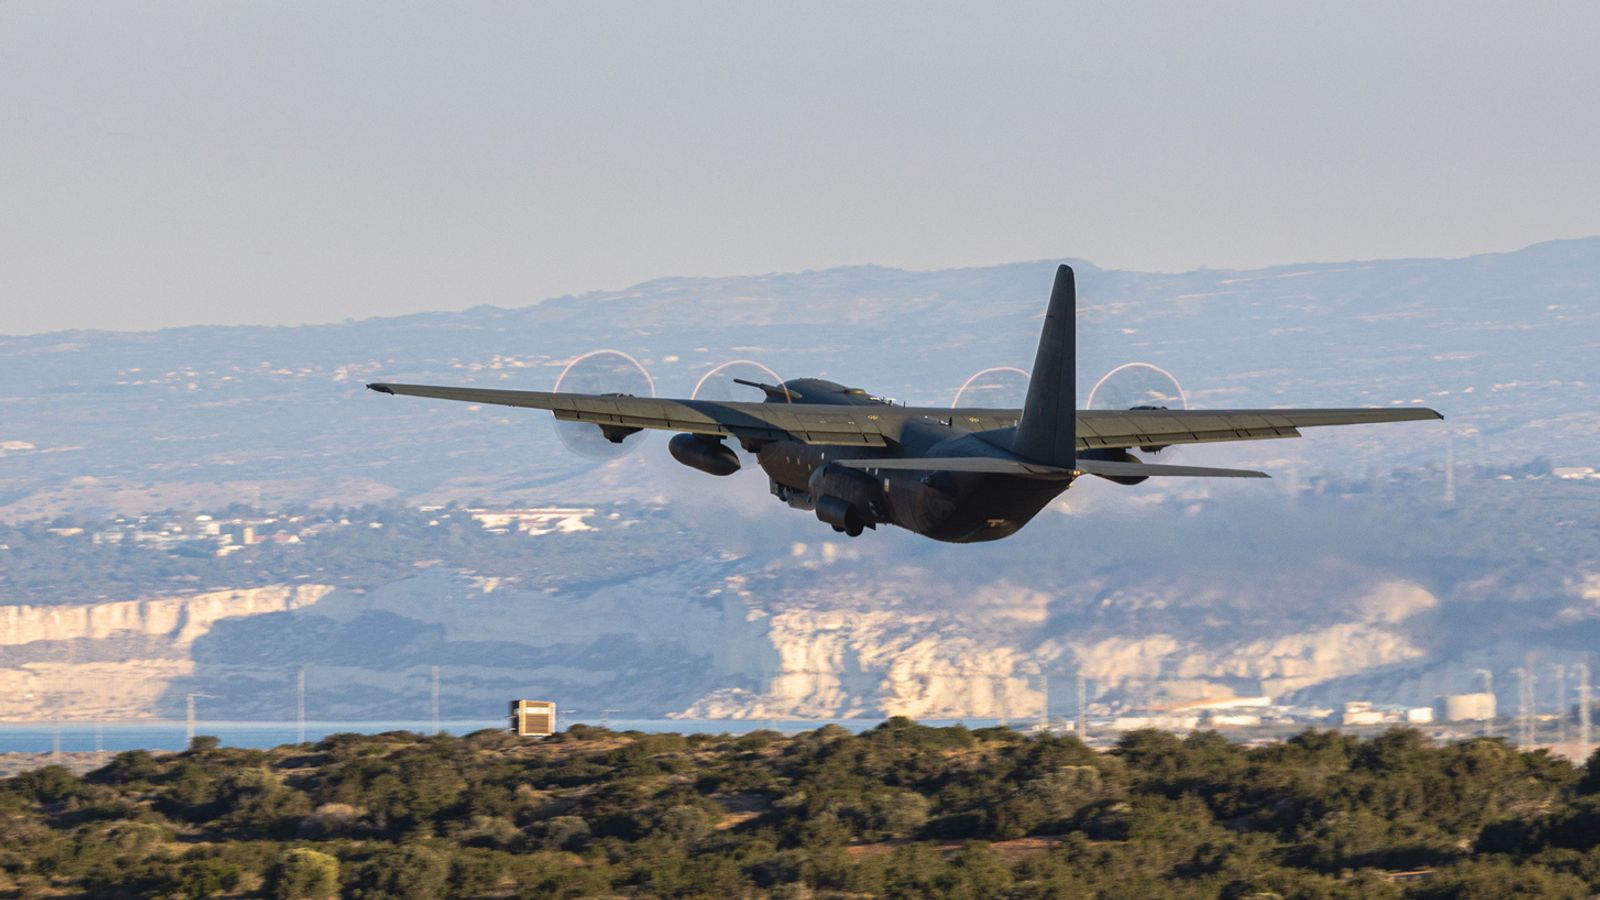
(1591, 775)
(412, 872)
(1496, 878)
(565, 833)
(976, 872)
(48, 784)
(304, 874)
(683, 824)
(128, 766)
(206, 877)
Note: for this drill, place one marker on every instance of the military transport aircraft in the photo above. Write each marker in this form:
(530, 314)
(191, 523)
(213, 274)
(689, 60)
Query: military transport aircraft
(957, 475)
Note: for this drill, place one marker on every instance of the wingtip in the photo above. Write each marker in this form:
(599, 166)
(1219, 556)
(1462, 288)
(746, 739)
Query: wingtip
(380, 388)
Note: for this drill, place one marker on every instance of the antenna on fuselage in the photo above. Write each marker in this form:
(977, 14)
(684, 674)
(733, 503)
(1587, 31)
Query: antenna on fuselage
(778, 392)
(1047, 432)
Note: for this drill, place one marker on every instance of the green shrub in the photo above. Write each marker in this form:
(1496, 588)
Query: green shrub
(411, 872)
(304, 874)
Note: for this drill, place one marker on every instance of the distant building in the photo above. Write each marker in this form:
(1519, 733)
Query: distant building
(533, 718)
(1360, 712)
(1233, 720)
(1419, 715)
(1468, 707)
(1573, 472)
(1162, 722)
(534, 521)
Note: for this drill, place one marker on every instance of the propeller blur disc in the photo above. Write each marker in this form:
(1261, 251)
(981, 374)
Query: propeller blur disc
(602, 372)
(1137, 384)
(997, 387)
(718, 383)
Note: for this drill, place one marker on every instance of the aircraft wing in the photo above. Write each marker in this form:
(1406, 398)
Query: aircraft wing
(1024, 469)
(1123, 428)
(812, 423)
(879, 425)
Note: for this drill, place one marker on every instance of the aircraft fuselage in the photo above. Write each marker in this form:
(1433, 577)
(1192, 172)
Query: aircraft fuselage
(956, 507)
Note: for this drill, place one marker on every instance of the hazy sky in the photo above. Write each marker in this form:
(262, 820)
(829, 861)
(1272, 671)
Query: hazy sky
(179, 163)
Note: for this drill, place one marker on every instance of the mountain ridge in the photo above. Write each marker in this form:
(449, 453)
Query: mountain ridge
(1167, 588)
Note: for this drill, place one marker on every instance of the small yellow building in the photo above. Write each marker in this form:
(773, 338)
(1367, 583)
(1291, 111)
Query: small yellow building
(533, 718)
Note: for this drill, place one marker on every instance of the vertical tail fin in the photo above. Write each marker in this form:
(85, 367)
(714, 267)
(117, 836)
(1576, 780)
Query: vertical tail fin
(1047, 432)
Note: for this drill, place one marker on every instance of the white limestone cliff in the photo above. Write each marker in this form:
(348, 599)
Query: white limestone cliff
(695, 640)
(115, 659)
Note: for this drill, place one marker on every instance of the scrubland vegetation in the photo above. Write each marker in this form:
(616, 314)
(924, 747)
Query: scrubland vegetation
(902, 810)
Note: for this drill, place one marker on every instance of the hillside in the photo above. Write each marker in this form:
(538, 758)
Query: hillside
(899, 811)
(1504, 343)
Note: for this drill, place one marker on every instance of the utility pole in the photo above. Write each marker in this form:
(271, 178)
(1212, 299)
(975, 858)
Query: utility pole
(998, 690)
(435, 699)
(1561, 703)
(1488, 688)
(188, 710)
(605, 717)
(1525, 701)
(1083, 709)
(300, 705)
(1044, 700)
(1583, 709)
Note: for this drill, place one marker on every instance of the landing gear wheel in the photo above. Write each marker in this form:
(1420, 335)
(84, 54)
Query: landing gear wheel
(839, 528)
(854, 529)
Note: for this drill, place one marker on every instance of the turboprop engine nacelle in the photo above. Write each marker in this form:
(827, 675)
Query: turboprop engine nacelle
(709, 455)
(841, 515)
(847, 498)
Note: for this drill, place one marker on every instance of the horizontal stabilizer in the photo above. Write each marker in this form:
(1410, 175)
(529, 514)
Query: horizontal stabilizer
(990, 465)
(1022, 468)
(1135, 469)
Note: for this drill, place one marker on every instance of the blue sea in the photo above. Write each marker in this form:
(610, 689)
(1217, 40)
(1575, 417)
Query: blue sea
(161, 734)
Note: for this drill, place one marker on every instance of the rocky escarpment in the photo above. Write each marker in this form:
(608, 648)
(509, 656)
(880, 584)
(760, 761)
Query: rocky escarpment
(991, 657)
(116, 659)
(710, 638)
